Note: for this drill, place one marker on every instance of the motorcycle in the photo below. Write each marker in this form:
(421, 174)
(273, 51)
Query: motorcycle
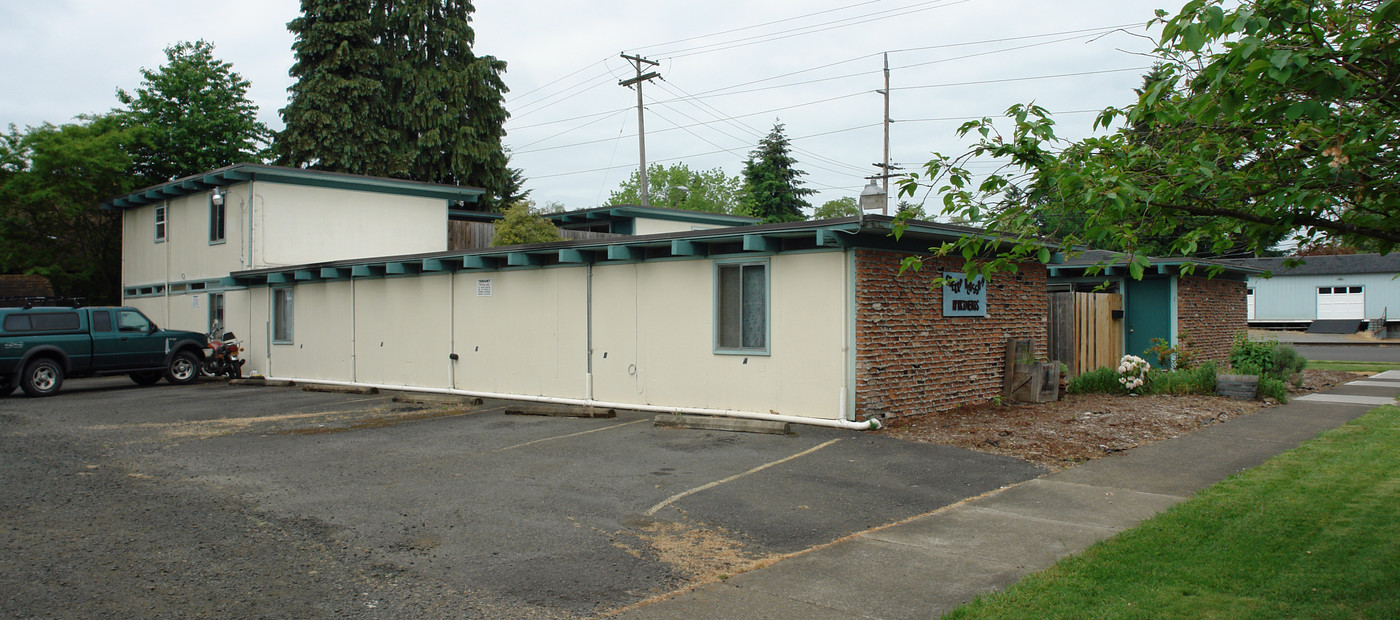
(222, 358)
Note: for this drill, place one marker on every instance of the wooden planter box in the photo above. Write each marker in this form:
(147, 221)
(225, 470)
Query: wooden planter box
(1238, 387)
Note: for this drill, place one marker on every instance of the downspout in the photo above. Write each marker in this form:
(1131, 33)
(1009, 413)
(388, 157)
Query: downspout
(354, 363)
(588, 349)
(452, 329)
(581, 402)
(250, 228)
(169, 238)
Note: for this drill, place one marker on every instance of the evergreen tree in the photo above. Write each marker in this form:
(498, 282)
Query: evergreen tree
(196, 113)
(772, 186)
(440, 111)
(337, 118)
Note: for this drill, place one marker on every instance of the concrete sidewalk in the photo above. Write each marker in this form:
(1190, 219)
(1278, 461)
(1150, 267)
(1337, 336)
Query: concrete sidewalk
(924, 567)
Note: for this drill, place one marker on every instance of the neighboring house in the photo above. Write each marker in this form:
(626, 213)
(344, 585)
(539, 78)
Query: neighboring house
(1167, 304)
(336, 278)
(18, 290)
(1346, 286)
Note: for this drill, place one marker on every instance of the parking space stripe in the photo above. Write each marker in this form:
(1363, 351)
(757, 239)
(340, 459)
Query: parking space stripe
(653, 510)
(528, 443)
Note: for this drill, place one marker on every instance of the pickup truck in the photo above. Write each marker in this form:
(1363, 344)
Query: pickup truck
(40, 346)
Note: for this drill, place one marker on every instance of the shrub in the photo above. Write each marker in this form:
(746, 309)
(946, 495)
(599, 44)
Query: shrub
(1273, 388)
(521, 225)
(1100, 381)
(1251, 358)
(1286, 362)
(1132, 372)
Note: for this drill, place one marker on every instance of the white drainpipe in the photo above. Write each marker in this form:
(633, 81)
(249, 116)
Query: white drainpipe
(583, 402)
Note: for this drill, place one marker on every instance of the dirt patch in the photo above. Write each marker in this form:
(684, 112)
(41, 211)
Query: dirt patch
(698, 553)
(1085, 427)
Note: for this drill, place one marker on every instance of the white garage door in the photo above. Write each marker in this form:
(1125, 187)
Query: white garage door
(1341, 302)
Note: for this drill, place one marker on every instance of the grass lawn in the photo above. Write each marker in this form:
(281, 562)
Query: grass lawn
(1352, 366)
(1313, 533)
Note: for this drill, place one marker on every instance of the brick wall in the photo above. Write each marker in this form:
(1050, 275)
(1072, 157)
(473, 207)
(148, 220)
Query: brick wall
(1209, 312)
(910, 359)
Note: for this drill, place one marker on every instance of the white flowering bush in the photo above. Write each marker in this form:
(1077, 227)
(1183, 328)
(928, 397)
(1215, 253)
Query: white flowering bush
(1132, 372)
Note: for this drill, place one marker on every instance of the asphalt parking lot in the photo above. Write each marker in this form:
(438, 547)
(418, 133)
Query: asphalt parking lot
(210, 499)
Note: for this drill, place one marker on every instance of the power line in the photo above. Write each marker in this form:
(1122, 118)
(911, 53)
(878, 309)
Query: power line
(1022, 79)
(776, 21)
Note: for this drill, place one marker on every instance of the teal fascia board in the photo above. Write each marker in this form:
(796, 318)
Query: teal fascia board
(277, 278)
(624, 252)
(334, 273)
(366, 271)
(433, 264)
(477, 262)
(523, 259)
(302, 275)
(229, 282)
(296, 176)
(686, 247)
(575, 256)
(827, 237)
(402, 268)
(760, 243)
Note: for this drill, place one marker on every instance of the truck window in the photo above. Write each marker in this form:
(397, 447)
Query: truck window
(132, 321)
(101, 321)
(42, 322)
(18, 323)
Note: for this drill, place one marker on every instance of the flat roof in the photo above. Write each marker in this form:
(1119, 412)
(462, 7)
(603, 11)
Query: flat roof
(238, 173)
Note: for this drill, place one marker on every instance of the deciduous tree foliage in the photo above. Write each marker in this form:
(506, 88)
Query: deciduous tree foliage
(196, 112)
(678, 187)
(523, 224)
(1271, 118)
(51, 180)
(392, 88)
(772, 184)
(844, 206)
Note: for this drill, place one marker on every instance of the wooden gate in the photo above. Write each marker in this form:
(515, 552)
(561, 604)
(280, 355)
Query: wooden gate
(1083, 333)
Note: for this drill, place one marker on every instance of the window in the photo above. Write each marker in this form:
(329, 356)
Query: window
(216, 217)
(216, 311)
(282, 316)
(160, 222)
(101, 321)
(741, 307)
(42, 322)
(132, 321)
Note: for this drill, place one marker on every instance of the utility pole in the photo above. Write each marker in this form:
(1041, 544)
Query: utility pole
(885, 169)
(637, 62)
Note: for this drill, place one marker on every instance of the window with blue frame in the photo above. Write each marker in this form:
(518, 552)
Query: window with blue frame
(741, 307)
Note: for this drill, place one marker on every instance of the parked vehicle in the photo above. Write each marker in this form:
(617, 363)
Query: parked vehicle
(222, 358)
(41, 346)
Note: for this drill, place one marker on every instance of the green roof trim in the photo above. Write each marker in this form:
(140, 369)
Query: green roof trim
(239, 173)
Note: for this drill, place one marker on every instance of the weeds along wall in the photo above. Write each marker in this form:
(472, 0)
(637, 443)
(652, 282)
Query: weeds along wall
(1210, 311)
(911, 360)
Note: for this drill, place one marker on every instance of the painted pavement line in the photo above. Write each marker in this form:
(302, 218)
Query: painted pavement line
(1393, 375)
(1348, 400)
(595, 430)
(653, 510)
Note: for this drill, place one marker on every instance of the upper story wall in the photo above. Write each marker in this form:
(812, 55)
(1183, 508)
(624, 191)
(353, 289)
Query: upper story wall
(269, 224)
(653, 226)
(1294, 298)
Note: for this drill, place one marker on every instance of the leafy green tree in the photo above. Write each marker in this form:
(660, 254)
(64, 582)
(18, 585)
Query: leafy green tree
(1271, 118)
(523, 224)
(844, 206)
(772, 185)
(678, 187)
(197, 114)
(338, 116)
(51, 180)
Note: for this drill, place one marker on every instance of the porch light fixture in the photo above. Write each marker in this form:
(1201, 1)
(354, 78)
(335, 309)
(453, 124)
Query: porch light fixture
(217, 197)
(873, 198)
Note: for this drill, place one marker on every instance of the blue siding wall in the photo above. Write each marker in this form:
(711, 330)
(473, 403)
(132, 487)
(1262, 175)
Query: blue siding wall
(1294, 298)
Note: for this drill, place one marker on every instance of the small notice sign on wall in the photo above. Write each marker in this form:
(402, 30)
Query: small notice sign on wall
(483, 287)
(964, 297)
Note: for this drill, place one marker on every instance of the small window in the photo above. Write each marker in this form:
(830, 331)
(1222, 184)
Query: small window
(160, 222)
(101, 321)
(216, 217)
(1353, 290)
(52, 321)
(18, 323)
(132, 321)
(282, 315)
(741, 307)
(216, 311)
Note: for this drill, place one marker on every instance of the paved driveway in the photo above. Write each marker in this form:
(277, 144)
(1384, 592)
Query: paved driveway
(407, 510)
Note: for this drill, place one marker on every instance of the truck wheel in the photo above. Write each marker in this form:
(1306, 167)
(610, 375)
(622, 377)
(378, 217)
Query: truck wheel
(149, 377)
(184, 368)
(42, 377)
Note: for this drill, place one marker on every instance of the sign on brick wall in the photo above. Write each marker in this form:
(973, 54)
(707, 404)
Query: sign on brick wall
(963, 297)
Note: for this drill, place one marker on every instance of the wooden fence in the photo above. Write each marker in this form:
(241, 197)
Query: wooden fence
(475, 235)
(1083, 333)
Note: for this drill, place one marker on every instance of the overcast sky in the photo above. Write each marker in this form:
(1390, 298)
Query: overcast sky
(729, 70)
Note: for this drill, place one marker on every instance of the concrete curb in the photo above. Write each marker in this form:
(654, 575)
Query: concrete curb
(711, 423)
(339, 389)
(262, 382)
(559, 411)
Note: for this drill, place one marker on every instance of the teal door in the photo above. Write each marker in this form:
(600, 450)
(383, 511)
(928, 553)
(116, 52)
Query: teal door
(1147, 314)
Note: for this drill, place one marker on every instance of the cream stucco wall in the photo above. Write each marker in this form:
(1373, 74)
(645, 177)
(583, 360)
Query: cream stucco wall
(652, 327)
(295, 224)
(649, 226)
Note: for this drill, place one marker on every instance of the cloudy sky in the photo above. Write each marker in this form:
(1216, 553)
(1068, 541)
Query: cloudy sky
(729, 70)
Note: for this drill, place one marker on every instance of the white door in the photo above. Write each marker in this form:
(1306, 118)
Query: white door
(1341, 302)
(1249, 304)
